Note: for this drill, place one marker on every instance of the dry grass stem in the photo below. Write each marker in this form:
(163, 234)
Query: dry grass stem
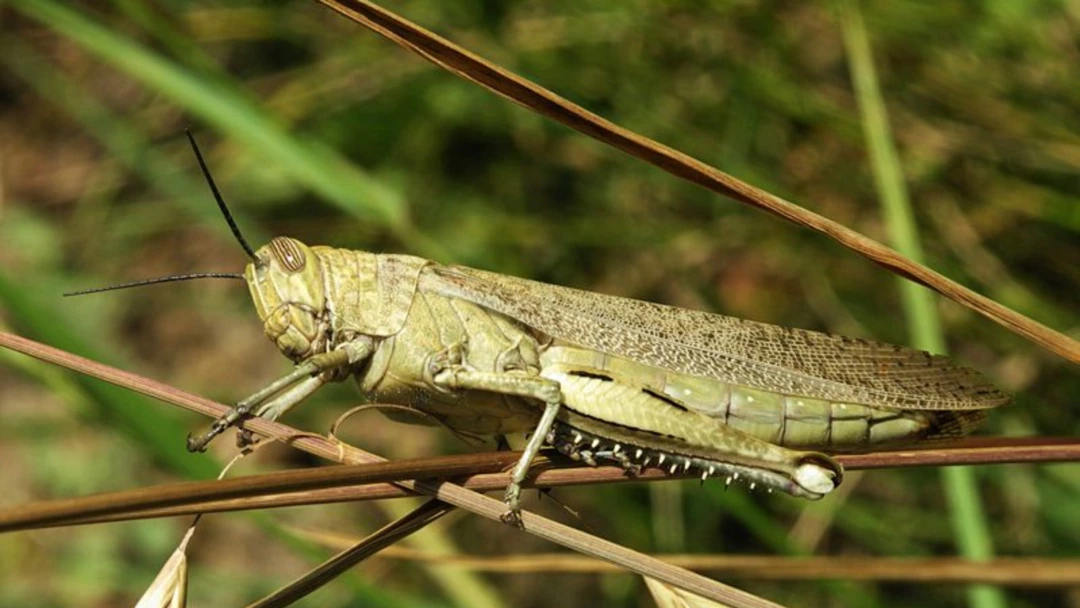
(999, 571)
(379, 540)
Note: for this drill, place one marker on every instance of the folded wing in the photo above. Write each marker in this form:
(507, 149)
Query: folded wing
(746, 353)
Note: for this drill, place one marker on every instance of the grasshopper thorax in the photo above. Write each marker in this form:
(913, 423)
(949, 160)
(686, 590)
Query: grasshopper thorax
(287, 287)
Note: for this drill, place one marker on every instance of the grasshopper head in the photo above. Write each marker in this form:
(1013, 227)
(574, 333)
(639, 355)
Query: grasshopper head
(286, 283)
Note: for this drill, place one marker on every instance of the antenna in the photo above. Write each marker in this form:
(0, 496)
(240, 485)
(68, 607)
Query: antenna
(217, 197)
(169, 279)
(199, 275)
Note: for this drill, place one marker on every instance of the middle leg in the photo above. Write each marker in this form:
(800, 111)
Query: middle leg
(545, 390)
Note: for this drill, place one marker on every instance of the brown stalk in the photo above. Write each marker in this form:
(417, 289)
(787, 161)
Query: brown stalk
(999, 571)
(447, 492)
(334, 567)
(484, 472)
(523, 92)
(110, 506)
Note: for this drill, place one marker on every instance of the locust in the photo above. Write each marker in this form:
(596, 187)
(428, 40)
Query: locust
(602, 379)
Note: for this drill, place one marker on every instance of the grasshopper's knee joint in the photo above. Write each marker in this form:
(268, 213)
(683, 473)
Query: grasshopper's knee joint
(550, 393)
(818, 474)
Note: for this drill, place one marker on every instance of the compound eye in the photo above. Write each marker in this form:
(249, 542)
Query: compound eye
(288, 253)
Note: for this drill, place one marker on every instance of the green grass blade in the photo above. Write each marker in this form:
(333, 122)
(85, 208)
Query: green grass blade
(968, 519)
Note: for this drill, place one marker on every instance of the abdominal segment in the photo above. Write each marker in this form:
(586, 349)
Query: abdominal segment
(656, 399)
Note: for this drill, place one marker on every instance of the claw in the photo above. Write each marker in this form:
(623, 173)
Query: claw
(196, 445)
(245, 439)
(511, 517)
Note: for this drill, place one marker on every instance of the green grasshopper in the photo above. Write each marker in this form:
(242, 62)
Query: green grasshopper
(600, 378)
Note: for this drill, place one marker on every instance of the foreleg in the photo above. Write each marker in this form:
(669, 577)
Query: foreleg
(304, 380)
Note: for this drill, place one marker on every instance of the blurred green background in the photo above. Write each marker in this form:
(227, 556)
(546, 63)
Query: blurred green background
(319, 129)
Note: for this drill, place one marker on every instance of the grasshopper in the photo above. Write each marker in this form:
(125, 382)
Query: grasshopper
(598, 377)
